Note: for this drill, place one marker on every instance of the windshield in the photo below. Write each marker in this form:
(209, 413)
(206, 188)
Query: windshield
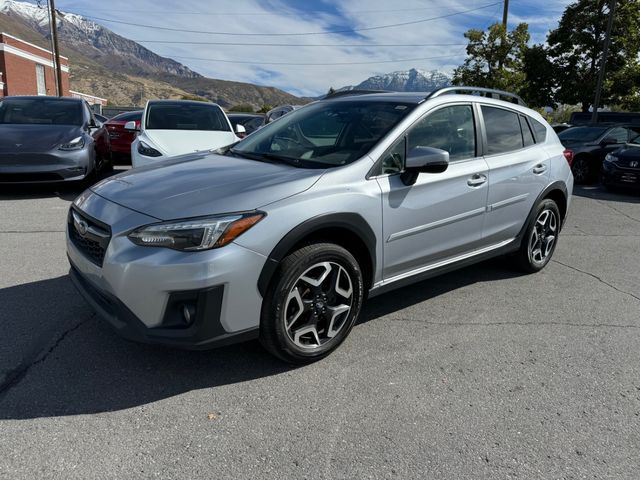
(128, 116)
(186, 116)
(582, 134)
(325, 134)
(45, 111)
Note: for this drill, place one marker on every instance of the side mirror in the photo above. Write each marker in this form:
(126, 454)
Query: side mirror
(608, 141)
(241, 132)
(131, 126)
(424, 160)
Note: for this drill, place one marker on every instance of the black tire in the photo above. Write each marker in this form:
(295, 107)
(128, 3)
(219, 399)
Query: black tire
(582, 170)
(527, 258)
(280, 304)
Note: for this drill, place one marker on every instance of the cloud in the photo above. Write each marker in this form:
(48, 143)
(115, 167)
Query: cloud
(286, 16)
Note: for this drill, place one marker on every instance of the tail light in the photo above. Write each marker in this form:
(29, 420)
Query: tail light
(568, 155)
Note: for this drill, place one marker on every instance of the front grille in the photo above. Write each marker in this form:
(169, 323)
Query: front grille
(626, 164)
(88, 235)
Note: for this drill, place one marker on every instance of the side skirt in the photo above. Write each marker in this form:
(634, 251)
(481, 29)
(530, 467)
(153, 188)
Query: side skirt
(430, 271)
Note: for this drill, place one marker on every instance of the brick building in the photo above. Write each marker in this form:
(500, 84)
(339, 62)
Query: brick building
(27, 69)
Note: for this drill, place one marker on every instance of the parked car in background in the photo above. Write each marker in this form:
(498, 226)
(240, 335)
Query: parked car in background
(589, 145)
(100, 118)
(280, 111)
(621, 168)
(120, 138)
(50, 139)
(250, 121)
(174, 127)
(284, 235)
(560, 127)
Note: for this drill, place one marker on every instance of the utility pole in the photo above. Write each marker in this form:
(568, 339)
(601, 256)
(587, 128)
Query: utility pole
(505, 13)
(603, 62)
(56, 49)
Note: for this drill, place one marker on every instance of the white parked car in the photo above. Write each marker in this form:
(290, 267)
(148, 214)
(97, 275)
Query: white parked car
(175, 127)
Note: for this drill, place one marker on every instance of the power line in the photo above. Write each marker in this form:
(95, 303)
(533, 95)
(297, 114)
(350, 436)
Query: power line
(327, 32)
(313, 64)
(299, 45)
(268, 14)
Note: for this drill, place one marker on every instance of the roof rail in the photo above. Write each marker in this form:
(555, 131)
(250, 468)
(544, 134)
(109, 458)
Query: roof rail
(481, 91)
(346, 93)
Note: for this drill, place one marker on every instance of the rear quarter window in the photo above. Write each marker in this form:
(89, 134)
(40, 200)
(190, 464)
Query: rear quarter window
(539, 130)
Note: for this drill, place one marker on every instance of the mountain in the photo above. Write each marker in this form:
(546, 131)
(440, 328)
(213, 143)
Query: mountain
(405, 81)
(106, 64)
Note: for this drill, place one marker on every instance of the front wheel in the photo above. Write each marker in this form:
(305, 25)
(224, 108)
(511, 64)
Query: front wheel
(541, 238)
(312, 305)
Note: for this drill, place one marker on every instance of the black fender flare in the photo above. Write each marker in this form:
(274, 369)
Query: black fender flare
(353, 222)
(558, 185)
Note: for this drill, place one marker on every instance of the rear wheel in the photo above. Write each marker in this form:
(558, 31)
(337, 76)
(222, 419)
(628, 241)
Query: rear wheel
(541, 238)
(312, 305)
(581, 169)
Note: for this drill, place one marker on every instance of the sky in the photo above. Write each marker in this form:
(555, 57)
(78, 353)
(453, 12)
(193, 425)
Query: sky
(307, 46)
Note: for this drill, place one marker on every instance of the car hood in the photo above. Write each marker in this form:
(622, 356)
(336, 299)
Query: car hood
(35, 138)
(204, 184)
(629, 152)
(178, 142)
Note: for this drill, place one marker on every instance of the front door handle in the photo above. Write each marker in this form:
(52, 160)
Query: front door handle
(540, 168)
(477, 180)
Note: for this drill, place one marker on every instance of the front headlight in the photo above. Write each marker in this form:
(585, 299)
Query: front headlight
(196, 233)
(610, 158)
(75, 144)
(147, 151)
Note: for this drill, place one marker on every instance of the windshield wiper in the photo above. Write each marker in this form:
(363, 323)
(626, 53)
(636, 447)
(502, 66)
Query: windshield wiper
(261, 157)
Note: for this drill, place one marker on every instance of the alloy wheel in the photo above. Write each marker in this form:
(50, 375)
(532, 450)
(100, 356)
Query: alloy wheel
(318, 305)
(543, 236)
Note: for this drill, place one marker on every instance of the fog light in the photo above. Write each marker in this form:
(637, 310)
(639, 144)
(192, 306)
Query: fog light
(189, 313)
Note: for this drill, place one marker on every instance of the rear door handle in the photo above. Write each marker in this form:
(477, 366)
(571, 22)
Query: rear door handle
(477, 180)
(540, 168)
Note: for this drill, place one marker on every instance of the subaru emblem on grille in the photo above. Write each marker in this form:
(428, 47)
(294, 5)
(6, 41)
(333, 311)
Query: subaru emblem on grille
(633, 164)
(82, 227)
(80, 224)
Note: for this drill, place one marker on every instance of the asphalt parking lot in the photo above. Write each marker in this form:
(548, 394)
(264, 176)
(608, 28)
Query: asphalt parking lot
(482, 373)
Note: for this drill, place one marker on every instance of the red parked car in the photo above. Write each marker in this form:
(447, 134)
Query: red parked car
(120, 138)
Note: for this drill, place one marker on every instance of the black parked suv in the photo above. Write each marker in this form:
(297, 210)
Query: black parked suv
(589, 144)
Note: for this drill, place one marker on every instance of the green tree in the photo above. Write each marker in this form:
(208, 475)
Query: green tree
(539, 77)
(575, 48)
(494, 58)
(265, 108)
(242, 107)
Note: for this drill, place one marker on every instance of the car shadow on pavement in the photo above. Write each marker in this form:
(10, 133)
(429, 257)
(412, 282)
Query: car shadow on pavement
(80, 366)
(599, 192)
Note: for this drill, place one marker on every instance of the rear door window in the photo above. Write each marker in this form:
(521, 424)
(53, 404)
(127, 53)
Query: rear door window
(503, 130)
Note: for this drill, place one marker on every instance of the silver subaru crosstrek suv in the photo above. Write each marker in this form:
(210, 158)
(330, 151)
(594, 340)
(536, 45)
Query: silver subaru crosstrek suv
(283, 235)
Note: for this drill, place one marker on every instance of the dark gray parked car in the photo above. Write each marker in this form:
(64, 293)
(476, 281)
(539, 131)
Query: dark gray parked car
(50, 139)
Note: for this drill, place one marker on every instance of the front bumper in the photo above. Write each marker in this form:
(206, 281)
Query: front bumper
(143, 291)
(624, 177)
(206, 331)
(49, 167)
